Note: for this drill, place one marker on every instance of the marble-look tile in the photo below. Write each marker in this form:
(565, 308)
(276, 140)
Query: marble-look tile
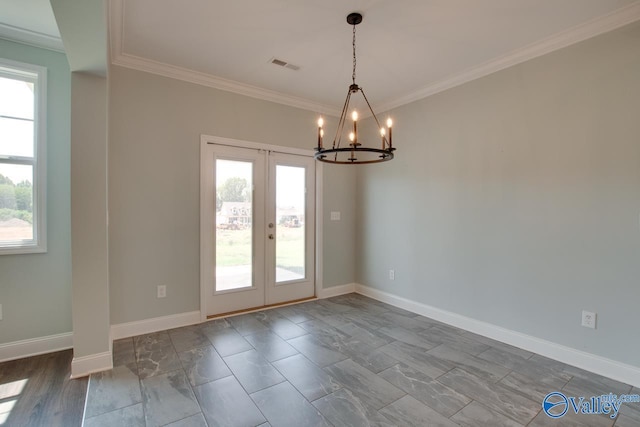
(130, 416)
(295, 313)
(515, 351)
(270, 346)
(168, 398)
(246, 324)
(502, 357)
(404, 322)
(344, 409)
(370, 388)
(477, 415)
(212, 326)
(124, 353)
(599, 381)
(284, 406)
(417, 358)
(188, 338)
(155, 354)
(570, 419)
(409, 412)
(148, 342)
(319, 328)
(430, 392)
(282, 326)
(253, 371)
(471, 364)
(203, 364)
(113, 389)
(625, 421)
(496, 397)
(632, 410)
(319, 353)
(408, 337)
(527, 386)
(333, 319)
(228, 341)
(359, 303)
(363, 318)
(371, 358)
(225, 403)
(594, 385)
(355, 347)
(305, 376)
(428, 322)
(196, 420)
(335, 305)
(370, 336)
(543, 375)
(454, 340)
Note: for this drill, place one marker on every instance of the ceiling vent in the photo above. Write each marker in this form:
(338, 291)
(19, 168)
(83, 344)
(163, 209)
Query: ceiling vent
(284, 64)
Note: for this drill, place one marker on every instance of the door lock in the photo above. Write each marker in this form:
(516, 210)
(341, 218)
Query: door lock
(270, 225)
(271, 236)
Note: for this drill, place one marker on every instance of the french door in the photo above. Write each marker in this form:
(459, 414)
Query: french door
(257, 227)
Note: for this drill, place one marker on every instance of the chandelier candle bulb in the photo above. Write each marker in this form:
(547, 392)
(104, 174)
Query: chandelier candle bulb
(354, 116)
(382, 132)
(389, 124)
(320, 132)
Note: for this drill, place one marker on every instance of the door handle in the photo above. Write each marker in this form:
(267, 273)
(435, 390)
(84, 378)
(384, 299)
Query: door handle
(271, 236)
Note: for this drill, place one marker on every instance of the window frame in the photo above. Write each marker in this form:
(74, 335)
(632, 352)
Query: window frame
(38, 76)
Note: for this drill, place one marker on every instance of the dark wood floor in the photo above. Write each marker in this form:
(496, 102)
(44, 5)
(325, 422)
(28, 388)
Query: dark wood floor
(47, 398)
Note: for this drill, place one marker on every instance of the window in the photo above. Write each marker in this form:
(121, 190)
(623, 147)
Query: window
(22, 158)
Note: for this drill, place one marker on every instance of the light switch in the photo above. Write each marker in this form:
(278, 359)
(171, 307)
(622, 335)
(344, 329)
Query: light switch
(335, 216)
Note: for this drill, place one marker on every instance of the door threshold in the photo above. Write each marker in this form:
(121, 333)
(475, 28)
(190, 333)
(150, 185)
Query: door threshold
(260, 308)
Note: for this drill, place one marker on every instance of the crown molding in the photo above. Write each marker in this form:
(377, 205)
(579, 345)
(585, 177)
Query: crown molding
(31, 38)
(166, 70)
(587, 30)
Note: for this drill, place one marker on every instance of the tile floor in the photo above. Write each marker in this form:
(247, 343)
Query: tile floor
(343, 361)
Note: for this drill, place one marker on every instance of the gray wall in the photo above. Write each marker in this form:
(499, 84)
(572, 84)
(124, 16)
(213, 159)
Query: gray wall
(90, 262)
(515, 199)
(35, 289)
(154, 178)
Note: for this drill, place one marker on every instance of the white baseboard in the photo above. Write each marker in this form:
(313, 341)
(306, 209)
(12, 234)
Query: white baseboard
(35, 346)
(147, 326)
(600, 365)
(334, 291)
(87, 365)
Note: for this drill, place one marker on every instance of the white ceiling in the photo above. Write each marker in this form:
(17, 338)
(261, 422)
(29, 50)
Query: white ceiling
(407, 49)
(31, 22)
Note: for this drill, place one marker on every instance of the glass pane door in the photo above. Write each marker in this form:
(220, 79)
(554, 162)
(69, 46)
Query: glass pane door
(290, 253)
(234, 224)
(290, 223)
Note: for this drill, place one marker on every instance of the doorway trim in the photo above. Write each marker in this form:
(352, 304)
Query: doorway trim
(206, 140)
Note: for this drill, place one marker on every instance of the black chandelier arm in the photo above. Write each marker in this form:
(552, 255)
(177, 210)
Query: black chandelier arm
(342, 121)
(374, 116)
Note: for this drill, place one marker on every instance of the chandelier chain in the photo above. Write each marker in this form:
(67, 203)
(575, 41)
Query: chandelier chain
(353, 75)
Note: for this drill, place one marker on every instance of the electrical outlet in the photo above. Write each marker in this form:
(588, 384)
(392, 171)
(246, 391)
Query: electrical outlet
(392, 275)
(162, 291)
(589, 319)
(335, 216)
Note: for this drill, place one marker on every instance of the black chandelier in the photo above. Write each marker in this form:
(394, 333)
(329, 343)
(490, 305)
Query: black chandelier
(356, 151)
